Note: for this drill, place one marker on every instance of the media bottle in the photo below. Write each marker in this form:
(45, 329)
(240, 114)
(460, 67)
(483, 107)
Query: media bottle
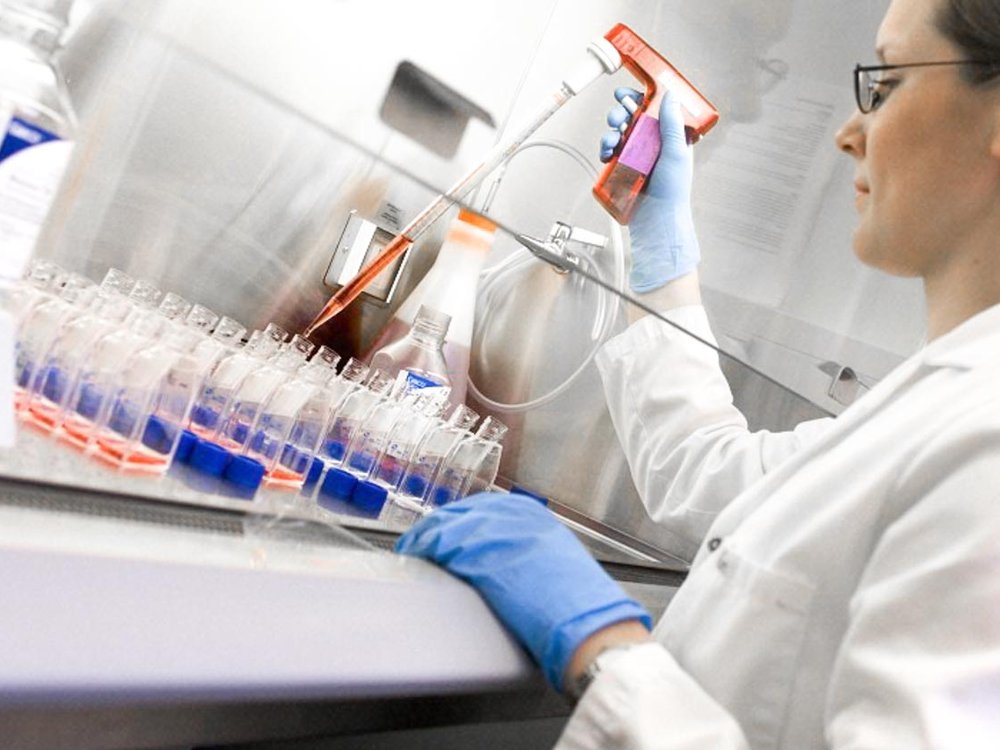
(37, 124)
(417, 360)
(450, 286)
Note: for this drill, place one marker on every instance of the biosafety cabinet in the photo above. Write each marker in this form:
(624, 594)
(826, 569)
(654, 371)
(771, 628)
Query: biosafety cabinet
(251, 156)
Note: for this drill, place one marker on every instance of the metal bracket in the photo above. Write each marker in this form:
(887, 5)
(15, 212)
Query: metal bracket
(553, 250)
(360, 241)
(845, 385)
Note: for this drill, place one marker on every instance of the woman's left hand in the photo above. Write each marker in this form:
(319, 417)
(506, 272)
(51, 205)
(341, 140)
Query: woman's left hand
(532, 571)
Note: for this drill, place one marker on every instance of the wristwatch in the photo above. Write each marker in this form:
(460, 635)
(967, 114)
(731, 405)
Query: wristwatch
(575, 688)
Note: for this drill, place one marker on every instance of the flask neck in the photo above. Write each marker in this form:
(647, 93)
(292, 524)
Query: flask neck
(427, 333)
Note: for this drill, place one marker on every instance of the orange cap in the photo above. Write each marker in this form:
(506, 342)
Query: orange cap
(476, 220)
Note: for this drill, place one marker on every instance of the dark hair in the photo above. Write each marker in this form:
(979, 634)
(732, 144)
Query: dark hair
(974, 27)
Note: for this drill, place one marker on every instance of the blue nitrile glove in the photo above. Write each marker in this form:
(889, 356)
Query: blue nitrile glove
(664, 242)
(535, 575)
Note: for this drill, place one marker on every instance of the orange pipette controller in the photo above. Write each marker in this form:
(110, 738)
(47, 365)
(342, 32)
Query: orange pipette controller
(624, 177)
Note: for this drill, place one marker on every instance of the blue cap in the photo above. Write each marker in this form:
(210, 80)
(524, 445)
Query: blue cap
(518, 490)
(296, 460)
(442, 496)
(369, 496)
(158, 435)
(204, 416)
(338, 483)
(89, 402)
(334, 449)
(257, 441)
(185, 445)
(315, 469)
(414, 486)
(25, 376)
(54, 385)
(363, 462)
(210, 458)
(240, 433)
(245, 472)
(123, 418)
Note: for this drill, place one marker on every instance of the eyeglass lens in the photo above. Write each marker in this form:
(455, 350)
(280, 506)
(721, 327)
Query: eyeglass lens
(864, 90)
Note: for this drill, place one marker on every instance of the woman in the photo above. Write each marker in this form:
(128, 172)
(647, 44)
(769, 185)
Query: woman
(846, 587)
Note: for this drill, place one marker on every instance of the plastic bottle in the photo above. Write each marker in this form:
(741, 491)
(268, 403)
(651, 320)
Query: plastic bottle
(60, 365)
(149, 403)
(351, 413)
(241, 416)
(429, 455)
(226, 338)
(314, 418)
(372, 436)
(90, 401)
(417, 360)
(37, 124)
(41, 282)
(41, 328)
(303, 452)
(398, 449)
(450, 286)
(287, 463)
(73, 351)
(222, 382)
(472, 464)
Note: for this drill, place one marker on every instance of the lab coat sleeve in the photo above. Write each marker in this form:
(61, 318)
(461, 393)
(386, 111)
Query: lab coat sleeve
(642, 700)
(919, 666)
(688, 447)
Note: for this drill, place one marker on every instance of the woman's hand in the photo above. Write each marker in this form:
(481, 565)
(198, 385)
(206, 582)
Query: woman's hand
(532, 571)
(664, 242)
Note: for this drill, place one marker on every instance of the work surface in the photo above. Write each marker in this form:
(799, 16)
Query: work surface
(146, 613)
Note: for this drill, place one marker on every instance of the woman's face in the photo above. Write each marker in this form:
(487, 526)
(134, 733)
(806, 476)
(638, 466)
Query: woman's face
(923, 172)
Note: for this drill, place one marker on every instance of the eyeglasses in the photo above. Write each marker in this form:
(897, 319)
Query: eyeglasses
(866, 87)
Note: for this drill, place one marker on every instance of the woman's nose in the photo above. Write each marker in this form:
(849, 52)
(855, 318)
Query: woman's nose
(851, 137)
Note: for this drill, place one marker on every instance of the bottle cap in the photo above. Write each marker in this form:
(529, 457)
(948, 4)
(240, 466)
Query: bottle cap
(200, 318)
(204, 416)
(315, 470)
(518, 490)
(476, 220)
(158, 435)
(433, 321)
(174, 306)
(369, 496)
(442, 496)
(228, 329)
(89, 403)
(54, 384)
(185, 445)
(414, 486)
(210, 458)
(244, 471)
(338, 483)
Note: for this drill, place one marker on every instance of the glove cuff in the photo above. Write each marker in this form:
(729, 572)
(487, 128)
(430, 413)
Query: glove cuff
(664, 245)
(567, 636)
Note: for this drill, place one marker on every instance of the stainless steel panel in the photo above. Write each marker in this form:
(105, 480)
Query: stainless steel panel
(225, 144)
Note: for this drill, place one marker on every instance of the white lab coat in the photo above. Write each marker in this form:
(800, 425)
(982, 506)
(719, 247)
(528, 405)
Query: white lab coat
(846, 592)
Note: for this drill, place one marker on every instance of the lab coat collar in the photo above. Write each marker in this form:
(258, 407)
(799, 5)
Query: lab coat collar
(973, 343)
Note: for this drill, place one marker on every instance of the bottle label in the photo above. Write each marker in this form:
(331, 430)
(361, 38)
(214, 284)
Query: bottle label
(32, 162)
(408, 381)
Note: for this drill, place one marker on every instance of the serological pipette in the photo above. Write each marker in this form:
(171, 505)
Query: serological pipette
(602, 58)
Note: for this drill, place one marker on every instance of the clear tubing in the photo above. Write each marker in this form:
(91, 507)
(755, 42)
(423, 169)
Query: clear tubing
(606, 312)
(422, 221)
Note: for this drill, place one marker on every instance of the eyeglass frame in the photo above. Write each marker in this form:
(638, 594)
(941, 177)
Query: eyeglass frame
(860, 69)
